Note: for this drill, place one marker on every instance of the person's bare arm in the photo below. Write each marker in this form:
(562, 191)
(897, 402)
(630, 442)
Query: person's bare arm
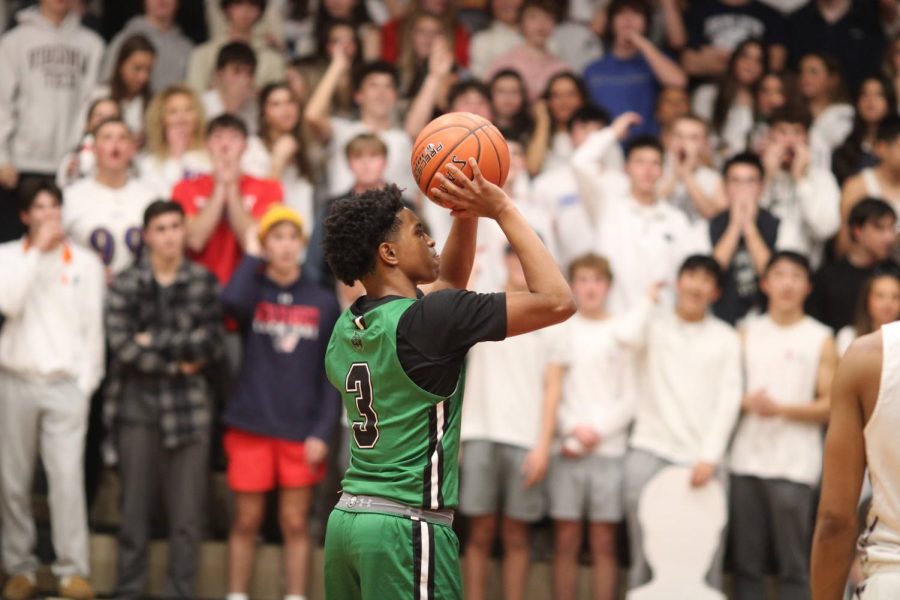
(318, 109)
(200, 227)
(854, 191)
(540, 138)
(666, 71)
(777, 57)
(708, 205)
(457, 256)
(756, 247)
(676, 34)
(707, 61)
(548, 300)
(844, 466)
(817, 411)
(440, 63)
(728, 244)
(239, 218)
(535, 465)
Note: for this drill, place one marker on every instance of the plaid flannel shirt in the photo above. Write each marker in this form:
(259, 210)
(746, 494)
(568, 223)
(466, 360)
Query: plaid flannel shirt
(193, 334)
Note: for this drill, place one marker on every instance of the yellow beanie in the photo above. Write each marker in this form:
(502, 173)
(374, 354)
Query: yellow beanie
(279, 213)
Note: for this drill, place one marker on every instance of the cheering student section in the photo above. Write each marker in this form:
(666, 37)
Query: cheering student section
(448, 299)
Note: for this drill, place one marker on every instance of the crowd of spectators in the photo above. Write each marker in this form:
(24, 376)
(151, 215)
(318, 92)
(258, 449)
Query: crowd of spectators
(720, 179)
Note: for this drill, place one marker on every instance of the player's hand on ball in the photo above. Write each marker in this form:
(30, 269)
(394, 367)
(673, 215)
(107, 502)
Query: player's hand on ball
(315, 450)
(534, 467)
(475, 197)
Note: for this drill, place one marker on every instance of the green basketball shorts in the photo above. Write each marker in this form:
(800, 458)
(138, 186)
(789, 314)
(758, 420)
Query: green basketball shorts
(373, 556)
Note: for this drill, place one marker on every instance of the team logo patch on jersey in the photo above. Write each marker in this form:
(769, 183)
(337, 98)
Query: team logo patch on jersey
(356, 342)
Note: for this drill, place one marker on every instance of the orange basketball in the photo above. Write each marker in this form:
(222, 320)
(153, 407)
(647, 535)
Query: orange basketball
(453, 138)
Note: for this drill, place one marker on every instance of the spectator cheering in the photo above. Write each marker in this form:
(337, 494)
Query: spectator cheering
(223, 206)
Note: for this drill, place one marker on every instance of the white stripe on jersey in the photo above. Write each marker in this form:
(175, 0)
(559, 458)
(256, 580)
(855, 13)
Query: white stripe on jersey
(424, 574)
(435, 466)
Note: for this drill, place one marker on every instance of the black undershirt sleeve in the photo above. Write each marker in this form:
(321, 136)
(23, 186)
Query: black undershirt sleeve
(435, 333)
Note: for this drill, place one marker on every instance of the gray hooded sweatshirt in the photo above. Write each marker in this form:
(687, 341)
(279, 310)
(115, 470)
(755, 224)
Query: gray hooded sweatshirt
(173, 50)
(46, 75)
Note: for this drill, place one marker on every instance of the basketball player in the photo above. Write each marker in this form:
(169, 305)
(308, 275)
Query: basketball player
(396, 355)
(865, 418)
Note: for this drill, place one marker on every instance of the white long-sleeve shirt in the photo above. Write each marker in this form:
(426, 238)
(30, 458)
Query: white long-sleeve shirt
(600, 384)
(557, 192)
(692, 385)
(644, 244)
(809, 211)
(53, 303)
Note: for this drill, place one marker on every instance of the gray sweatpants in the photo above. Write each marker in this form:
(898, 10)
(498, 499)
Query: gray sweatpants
(640, 468)
(770, 516)
(144, 465)
(49, 418)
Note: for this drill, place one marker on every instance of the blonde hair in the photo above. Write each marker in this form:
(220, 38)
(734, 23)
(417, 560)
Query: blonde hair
(363, 143)
(155, 126)
(595, 263)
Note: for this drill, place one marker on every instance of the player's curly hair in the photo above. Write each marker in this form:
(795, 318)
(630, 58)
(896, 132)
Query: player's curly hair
(354, 229)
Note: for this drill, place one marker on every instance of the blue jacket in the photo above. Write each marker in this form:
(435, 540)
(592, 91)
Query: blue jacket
(281, 389)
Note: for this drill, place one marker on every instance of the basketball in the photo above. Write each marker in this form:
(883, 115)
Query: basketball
(453, 138)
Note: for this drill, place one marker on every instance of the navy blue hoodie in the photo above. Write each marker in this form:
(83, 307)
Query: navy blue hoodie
(281, 389)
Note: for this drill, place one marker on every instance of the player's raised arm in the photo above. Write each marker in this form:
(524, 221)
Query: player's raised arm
(458, 256)
(548, 300)
(845, 463)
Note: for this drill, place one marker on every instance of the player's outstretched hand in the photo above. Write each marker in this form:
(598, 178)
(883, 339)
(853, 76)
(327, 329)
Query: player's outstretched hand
(475, 197)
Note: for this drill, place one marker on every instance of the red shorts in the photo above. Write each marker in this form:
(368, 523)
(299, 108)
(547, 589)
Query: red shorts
(257, 463)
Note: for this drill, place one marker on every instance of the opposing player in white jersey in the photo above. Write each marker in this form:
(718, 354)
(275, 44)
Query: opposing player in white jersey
(865, 421)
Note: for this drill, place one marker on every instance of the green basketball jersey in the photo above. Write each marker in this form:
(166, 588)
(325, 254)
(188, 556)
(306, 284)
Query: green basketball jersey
(404, 441)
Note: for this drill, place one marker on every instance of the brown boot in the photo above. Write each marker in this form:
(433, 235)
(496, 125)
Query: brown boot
(75, 587)
(20, 587)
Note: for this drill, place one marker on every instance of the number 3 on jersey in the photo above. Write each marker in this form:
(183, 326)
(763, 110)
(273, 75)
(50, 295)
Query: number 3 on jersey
(359, 381)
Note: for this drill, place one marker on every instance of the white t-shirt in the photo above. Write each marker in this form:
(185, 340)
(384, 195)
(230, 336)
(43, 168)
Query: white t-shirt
(600, 384)
(163, 175)
(783, 361)
(107, 220)
(340, 178)
(504, 390)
